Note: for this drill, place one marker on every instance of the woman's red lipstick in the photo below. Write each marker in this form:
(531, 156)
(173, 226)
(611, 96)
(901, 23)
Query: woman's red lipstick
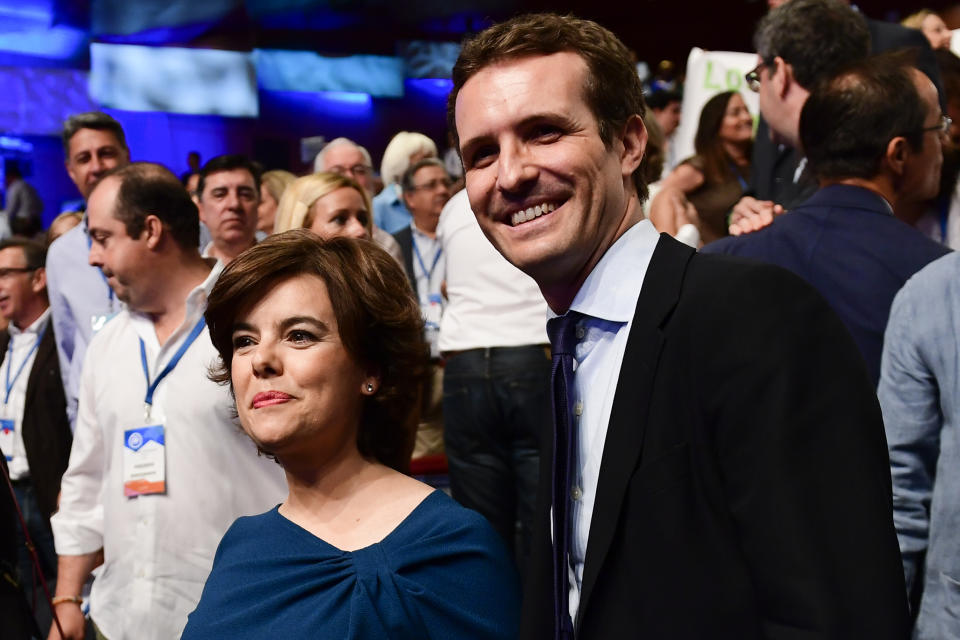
(268, 398)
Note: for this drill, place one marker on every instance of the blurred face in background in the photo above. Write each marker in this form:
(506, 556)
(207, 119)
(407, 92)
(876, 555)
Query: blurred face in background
(668, 118)
(935, 29)
(737, 123)
(90, 154)
(340, 213)
(347, 160)
(266, 211)
(228, 205)
(431, 190)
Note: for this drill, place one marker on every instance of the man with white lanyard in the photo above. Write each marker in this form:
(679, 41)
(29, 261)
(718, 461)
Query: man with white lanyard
(159, 469)
(35, 434)
(426, 188)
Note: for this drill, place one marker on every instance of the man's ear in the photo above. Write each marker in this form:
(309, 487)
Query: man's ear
(898, 151)
(782, 76)
(634, 141)
(39, 281)
(153, 231)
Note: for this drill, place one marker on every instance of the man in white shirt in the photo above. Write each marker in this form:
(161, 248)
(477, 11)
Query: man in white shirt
(158, 469)
(719, 468)
(80, 299)
(35, 434)
(496, 392)
(228, 195)
(426, 188)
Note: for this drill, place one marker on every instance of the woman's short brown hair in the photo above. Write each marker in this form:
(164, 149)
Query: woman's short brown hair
(378, 319)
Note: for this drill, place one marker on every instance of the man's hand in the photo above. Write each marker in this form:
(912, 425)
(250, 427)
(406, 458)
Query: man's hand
(71, 620)
(750, 214)
(72, 573)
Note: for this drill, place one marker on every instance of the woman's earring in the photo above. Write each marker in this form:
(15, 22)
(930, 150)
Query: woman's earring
(369, 387)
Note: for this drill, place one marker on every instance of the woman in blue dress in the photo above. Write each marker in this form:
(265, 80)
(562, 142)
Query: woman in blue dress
(322, 345)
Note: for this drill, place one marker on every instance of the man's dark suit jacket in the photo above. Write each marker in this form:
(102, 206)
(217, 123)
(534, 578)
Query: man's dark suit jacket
(404, 238)
(744, 489)
(846, 243)
(46, 429)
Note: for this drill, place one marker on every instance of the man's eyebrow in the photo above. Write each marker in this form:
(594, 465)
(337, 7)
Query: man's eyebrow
(533, 118)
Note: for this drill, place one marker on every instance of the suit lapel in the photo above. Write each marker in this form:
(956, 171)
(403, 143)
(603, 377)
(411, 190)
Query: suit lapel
(624, 441)
(45, 351)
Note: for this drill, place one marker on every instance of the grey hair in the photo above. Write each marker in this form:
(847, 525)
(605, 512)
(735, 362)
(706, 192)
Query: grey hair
(92, 120)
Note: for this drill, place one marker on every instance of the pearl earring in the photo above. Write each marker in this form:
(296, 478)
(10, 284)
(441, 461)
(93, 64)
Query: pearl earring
(369, 387)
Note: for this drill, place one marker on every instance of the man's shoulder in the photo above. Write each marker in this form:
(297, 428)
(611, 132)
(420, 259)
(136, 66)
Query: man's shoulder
(68, 249)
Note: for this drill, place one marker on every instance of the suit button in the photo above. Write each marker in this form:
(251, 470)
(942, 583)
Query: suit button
(576, 493)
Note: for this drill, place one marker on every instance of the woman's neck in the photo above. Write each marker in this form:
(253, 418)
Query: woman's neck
(737, 152)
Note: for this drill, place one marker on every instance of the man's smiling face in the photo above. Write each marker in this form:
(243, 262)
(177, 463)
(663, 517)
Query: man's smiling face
(547, 192)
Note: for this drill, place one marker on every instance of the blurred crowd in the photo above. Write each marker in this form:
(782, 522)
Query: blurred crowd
(141, 330)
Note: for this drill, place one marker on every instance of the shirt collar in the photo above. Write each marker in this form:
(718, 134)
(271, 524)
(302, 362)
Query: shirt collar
(35, 328)
(611, 290)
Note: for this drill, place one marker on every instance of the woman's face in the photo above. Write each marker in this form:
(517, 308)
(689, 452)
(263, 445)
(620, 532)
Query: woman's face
(737, 123)
(298, 390)
(936, 31)
(266, 211)
(341, 212)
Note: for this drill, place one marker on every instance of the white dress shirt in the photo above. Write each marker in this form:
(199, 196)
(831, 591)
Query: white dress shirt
(490, 303)
(158, 548)
(608, 298)
(22, 349)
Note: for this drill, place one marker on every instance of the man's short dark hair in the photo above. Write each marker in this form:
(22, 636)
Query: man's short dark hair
(847, 122)
(92, 120)
(151, 189)
(228, 162)
(816, 37)
(406, 182)
(34, 253)
(660, 100)
(612, 90)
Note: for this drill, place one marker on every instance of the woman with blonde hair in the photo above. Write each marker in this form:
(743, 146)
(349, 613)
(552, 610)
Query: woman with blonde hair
(329, 204)
(932, 26)
(272, 185)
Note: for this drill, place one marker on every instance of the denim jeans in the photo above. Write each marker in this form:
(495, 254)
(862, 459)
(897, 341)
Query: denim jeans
(39, 528)
(496, 405)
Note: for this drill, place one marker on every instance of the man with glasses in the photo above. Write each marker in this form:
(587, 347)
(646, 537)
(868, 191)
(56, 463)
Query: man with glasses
(426, 189)
(872, 138)
(35, 434)
(345, 157)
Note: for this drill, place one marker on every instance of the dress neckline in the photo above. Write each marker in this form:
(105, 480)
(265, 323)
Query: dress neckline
(395, 532)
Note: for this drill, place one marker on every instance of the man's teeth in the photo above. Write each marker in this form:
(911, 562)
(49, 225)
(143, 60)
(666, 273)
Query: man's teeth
(533, 212)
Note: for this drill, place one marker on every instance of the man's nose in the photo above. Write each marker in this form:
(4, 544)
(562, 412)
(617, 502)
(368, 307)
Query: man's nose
(514, 168)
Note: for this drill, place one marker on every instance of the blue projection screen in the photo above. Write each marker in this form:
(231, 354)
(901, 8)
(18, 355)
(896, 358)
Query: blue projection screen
(172, 79)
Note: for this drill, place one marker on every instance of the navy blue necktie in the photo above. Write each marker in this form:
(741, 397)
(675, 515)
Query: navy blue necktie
(563, 341)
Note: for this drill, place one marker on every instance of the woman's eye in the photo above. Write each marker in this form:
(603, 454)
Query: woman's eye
(239, 342)
(301, 337)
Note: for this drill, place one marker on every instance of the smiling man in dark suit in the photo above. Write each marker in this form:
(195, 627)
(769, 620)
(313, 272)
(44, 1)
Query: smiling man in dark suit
(719, 464)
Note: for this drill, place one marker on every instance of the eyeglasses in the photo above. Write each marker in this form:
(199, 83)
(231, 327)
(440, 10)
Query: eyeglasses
(355, 170)
(942, 127)
(433, 185)
(753, 76)
(6, 272)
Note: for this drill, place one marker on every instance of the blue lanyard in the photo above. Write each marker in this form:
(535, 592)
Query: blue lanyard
(736, 172)
(944, 214)
(423, 267)
(10, 382)
(152, 386)
(109, 288)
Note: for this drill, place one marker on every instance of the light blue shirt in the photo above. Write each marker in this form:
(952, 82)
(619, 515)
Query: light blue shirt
(919, 393)
(80, 301)
(608, 298)
(389, 211)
